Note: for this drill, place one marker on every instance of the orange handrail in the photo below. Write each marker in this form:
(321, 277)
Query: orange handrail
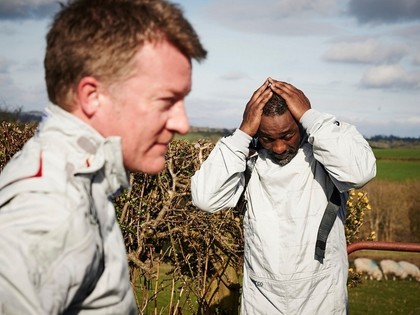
(391, 246)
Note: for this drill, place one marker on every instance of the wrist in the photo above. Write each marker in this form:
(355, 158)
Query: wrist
(246, 130)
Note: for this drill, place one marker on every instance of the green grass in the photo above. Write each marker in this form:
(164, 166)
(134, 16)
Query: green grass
(397, 164)
(398, 154)
(398, 170)
(163, 295)
(385, 297)
(194, 136)
(370, 297)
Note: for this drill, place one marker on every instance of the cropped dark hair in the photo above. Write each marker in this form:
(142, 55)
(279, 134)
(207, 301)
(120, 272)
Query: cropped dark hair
(276, 105)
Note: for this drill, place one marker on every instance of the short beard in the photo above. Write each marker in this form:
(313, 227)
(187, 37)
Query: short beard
(286, 160)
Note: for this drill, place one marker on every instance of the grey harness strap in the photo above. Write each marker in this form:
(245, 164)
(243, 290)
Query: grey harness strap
(327, 220)
(326, 224)
(250, 163)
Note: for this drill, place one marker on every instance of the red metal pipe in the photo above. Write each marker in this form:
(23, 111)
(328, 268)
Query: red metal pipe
(392, 246)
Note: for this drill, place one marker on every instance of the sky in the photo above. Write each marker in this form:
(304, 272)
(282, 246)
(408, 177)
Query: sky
(356, 59)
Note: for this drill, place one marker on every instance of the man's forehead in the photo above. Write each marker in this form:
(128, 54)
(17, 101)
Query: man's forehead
(276, 123)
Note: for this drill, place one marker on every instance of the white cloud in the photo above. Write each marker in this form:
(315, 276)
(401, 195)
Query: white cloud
(390, 76)
(248, 9)
(416, 60)
(217, 113)
(234, 75)
(287, 17)
(27, 9)
(303, 7)
(7, 29)
(366, 51)
(5, 65)
(401, 126)
(383, 11)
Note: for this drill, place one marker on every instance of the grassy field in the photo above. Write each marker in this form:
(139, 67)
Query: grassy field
(397, 154)
(165, 295)
(398, 164)
(369, 297)
(397, 170)
(195, 135)
(385, 297)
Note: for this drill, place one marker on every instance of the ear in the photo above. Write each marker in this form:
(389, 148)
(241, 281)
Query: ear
(88, 93)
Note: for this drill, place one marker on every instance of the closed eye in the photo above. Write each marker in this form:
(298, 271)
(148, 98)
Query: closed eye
(266, 139)
(168, 102)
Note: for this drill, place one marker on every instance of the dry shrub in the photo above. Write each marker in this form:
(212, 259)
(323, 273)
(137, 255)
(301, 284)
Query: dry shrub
(395, 214)
(13, 137)
(160, 225)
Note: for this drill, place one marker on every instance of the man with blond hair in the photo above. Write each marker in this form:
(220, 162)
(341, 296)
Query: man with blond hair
(117, 73)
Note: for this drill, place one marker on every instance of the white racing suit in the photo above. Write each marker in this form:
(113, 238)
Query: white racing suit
(61, 248)
(285, 205)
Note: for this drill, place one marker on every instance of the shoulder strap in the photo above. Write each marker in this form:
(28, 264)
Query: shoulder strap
(326, 224)
(250, 163)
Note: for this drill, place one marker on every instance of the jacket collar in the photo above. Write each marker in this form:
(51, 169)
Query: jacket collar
(102, 153)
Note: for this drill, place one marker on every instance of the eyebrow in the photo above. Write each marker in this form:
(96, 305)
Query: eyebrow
(179, 95)
(281, 134)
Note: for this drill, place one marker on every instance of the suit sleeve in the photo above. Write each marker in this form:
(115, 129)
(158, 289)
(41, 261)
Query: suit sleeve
(343, 151)
(219, 182)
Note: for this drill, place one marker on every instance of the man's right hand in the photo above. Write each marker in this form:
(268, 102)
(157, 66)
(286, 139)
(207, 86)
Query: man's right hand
(254, 108)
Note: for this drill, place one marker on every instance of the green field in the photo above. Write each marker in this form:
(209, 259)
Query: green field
(397, 170)
(397, 164)
(370, 297)
(397, 154)
(386, 296)
(194, 136)
(373, 297)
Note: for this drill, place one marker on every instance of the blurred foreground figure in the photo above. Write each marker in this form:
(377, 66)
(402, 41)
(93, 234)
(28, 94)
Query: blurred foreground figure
(294, 181)
(117, 73)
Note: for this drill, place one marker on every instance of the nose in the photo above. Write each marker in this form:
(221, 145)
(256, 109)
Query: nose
(178, 120)
(279, 147)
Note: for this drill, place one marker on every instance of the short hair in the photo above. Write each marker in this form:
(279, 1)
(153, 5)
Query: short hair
(100, 38)
(276, 105)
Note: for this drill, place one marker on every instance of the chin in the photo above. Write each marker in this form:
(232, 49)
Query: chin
(148, 165)
(153, 167)
(155, 170)
(286, 160)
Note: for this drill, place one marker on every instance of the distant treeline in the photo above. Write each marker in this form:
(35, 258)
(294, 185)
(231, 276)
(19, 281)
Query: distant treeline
(392, 138)
(378, 141)
(387, 142)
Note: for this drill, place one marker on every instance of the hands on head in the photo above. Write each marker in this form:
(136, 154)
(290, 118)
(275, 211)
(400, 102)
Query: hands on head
(254, 108)
(296, 100)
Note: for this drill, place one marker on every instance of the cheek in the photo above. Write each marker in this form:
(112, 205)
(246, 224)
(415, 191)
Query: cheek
(294, 147)
(144, 127)
(265, 145)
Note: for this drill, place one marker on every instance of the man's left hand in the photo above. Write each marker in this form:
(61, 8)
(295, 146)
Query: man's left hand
(296, 101)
